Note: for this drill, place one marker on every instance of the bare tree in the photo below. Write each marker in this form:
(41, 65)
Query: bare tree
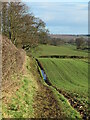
(22, 28)
(80, 42)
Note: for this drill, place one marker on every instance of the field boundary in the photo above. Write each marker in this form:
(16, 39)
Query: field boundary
(63, 56)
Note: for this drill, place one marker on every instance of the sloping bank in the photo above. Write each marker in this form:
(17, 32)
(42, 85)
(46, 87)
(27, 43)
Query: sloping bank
(66, 108)
(33, 98)
(25, 94)
(18, 84)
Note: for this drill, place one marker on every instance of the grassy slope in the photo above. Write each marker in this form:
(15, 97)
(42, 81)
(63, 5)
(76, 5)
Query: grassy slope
(25, 96)
(35, 99)
(68, 75)
(20, 104)
(66, 109)
(60, 50)
(67, 72)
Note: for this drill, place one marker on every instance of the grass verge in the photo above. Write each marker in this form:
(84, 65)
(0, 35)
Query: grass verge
(21, 103)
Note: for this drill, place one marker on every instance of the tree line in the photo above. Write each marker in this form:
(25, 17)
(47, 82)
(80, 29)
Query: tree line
(21, 26)
(80, 42)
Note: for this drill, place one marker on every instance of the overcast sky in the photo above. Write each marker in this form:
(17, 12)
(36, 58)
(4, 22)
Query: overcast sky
(62, 17)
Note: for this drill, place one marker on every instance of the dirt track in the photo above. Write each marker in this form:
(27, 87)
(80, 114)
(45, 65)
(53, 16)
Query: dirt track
(45, 104)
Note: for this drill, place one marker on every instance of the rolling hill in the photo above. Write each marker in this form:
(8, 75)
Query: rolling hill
(48, 50)
(24, 93)
(68, 75)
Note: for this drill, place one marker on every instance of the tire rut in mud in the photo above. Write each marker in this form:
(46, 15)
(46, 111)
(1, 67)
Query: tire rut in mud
(75, 104)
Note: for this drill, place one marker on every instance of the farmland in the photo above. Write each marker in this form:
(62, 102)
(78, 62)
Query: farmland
(68, 76)
(44, 61)
(66, 97)
(67, 72)
(69, 50)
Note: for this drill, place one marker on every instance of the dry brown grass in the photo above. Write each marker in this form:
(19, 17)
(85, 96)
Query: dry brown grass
(12, 66)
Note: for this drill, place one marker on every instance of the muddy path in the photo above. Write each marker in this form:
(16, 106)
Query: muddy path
(45, 105)
(72, 100)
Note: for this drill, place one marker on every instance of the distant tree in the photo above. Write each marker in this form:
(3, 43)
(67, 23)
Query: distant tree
(56, 41)
(80, 42)
(43, 37)
(72, 41)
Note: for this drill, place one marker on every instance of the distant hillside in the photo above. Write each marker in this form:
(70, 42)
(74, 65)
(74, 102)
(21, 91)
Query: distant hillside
(67, 37)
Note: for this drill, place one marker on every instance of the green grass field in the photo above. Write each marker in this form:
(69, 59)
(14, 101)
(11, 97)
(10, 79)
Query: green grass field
(69, 76)
(69, 50)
